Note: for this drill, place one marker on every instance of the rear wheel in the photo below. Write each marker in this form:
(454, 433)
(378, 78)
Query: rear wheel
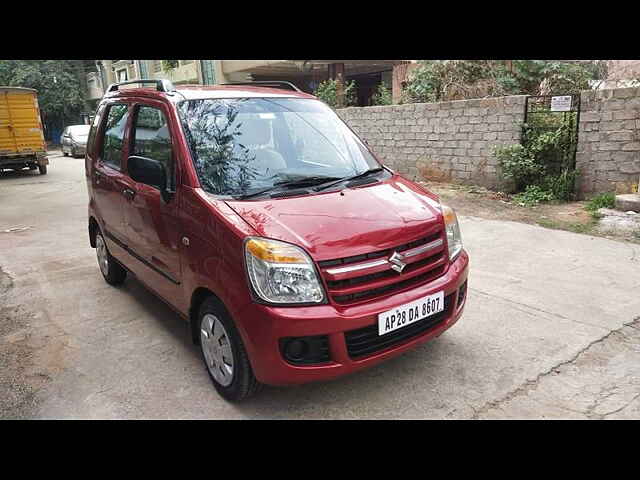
(64, 153)
(112, 271)
(43, 169)
(224, 354)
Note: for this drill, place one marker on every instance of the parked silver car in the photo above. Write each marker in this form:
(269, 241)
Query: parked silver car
(74, 140)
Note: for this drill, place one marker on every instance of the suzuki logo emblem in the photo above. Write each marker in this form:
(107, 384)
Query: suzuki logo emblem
(396, 262)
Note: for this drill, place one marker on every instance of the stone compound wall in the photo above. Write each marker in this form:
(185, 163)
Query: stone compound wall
(608, 156)
(447, 141)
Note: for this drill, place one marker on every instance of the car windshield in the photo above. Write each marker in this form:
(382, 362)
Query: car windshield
(247, 145)
(79, 130)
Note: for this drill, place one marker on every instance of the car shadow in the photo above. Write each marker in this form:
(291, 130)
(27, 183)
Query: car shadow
(362, 394)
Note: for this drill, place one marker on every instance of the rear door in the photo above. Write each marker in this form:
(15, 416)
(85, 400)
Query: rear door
(153, 228)
(20, 124)
(108, 180)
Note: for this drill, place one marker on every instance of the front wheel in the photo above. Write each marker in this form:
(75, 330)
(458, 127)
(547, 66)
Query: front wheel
(43, 169)
(112, 271)
(224, 354)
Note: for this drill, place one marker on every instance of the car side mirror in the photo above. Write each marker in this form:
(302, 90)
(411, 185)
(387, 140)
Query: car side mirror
(148, 171)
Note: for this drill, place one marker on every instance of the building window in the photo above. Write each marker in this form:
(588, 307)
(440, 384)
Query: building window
(157, 65)
(208, 73)
(122, 75)
(142, 67)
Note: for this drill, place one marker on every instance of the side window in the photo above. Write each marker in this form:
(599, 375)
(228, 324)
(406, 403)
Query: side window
(94, 128)
(113, 135)
(152, 138)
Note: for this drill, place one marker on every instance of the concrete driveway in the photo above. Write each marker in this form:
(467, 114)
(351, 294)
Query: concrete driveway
(551, 330)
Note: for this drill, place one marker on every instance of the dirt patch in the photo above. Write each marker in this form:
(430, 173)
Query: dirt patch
(480, 202)
(20, 355)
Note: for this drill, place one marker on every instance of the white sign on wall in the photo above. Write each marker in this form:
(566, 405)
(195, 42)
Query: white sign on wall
(561, 103)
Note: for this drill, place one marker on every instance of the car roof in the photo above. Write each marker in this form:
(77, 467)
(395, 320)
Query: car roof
(197, 92)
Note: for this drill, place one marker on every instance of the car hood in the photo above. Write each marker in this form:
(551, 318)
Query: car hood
(351, 222)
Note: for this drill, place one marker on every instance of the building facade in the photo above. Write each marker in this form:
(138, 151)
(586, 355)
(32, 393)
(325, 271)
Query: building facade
(305, 74)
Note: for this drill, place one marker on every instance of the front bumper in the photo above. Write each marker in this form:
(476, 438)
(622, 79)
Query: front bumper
(263, 327)
(77, 149)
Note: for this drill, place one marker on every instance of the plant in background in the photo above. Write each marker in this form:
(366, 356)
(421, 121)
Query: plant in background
(544, 159)
(603, 200)
(59, 86)
(382, 96)
(327, 91)
(518, 164)
(438, 80)
(168, 65)
(533, 195)
(562, 185)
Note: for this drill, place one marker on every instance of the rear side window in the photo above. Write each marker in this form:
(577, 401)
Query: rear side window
(113, 135)
(151, 136)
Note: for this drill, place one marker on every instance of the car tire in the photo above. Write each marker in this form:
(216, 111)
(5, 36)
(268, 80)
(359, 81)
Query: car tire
(112, 271)
(43, 169)
(64, 154)
(222, 350)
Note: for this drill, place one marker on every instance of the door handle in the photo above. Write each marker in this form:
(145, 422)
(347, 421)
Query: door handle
(128, 193)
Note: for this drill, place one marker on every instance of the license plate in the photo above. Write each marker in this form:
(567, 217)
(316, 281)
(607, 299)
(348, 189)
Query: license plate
(409, 313)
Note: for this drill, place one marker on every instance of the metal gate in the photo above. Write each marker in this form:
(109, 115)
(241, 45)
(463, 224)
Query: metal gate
(549, 113)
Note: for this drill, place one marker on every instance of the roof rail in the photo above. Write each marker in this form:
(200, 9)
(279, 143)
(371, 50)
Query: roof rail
(162, 85)
(274, 83)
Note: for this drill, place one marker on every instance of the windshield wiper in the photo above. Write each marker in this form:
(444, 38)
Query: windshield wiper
(348, 179)
(297, 182)
(305, 181)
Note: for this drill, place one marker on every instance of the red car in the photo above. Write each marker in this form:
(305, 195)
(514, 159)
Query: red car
(271, 228)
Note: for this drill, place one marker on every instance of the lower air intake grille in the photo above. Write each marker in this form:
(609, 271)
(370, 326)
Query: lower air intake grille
(366, 341)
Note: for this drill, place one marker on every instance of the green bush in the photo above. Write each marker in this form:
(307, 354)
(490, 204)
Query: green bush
(382, 96)
(562, 185)
(603, 200)
(327, 91)
(518, 164)
(168, 65)
(533, 195)
(544, 159)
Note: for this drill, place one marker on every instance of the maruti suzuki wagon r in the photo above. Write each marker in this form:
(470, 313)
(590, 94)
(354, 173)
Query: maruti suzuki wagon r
(268, 225)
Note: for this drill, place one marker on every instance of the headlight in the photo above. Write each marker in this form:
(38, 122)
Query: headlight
(454, 239)
(281, 273)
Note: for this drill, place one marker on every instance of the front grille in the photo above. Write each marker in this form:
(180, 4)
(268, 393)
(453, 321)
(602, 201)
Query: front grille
(379, 253)
(376, 292)
(365, 341)
(353, 287)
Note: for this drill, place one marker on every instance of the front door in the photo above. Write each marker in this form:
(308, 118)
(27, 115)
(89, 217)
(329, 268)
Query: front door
(153, 228)
(108, 177)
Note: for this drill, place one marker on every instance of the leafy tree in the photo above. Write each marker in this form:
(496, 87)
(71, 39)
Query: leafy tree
(439, 80)
(382, 96)
(59, 84)
(327, 91)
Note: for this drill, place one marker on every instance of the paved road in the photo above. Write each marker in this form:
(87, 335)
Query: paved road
(551, 330)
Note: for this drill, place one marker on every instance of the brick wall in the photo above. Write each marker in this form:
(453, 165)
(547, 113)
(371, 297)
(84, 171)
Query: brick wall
(447, 141)
(608, 155)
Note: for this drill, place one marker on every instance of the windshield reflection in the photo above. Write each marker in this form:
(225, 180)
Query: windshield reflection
(244, 146)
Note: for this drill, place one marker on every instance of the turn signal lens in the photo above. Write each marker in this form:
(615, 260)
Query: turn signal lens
(275, 252)
(454, 238)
